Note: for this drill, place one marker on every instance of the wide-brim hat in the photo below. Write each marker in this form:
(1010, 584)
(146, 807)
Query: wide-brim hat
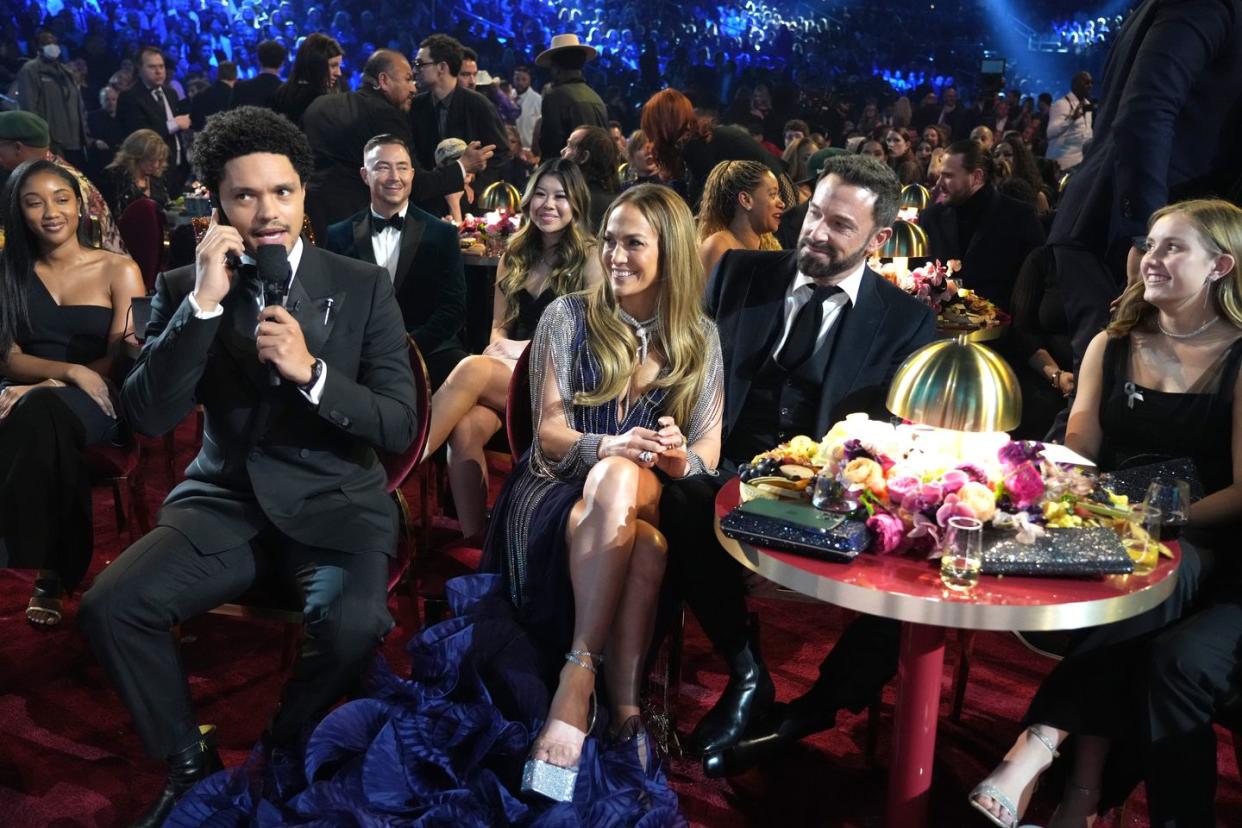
(484, 78)
(561, 44)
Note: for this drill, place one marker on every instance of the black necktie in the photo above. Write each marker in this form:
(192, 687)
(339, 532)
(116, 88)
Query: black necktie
(378, 223)
(800, 343)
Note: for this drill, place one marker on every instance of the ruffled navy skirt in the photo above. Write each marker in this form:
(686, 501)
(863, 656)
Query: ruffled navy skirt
(444, 748)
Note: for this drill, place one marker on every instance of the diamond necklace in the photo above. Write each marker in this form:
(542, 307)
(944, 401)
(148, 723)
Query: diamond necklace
(642, 330)
(1195, 332)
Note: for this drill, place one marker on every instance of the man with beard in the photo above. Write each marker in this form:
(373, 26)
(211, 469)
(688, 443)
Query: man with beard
(807, 337)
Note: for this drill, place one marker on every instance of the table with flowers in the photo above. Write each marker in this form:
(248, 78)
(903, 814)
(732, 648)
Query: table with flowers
(483, 240)
(909, 482)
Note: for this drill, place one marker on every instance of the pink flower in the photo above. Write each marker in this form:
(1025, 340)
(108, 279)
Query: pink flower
(899, 487)
(951, 508)
(953, 480)
(1024, 484)
(889, 533)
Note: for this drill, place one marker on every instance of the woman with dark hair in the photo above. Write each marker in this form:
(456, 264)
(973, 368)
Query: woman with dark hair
(554, 253)
(137, 171)
(687, 148)
(741, 209)
(1159, 382)
(900, 157)
(64, 308)
(1022, 166)
(316, 71)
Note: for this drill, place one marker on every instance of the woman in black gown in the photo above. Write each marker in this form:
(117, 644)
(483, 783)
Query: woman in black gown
(553, 253)
(1161, 381)
(63, 314)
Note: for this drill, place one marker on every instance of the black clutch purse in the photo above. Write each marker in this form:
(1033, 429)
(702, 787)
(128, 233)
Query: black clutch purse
(1060, 552)
(797, 527)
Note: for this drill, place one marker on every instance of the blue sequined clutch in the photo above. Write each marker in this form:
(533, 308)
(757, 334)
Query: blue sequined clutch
(797, 527)
(1059, 553)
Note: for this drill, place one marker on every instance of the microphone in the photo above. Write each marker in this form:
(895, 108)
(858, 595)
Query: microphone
(272, 263)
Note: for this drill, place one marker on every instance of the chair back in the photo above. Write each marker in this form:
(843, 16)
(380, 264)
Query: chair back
(142, 229)
(519, 427)
(201, 223)
(399, 466)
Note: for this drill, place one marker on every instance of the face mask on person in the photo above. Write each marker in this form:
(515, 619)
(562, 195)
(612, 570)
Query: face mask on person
(51, 51)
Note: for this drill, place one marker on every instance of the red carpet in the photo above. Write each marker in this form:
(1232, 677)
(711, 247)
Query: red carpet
(69, 757)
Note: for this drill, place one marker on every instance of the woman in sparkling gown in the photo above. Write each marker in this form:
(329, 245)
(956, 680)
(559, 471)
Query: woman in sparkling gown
(626, 389)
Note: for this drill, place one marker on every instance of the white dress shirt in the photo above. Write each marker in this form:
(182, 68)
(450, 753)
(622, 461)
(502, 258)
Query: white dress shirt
(799, 293)
(387, 244)
(295, 259)
(530, 103)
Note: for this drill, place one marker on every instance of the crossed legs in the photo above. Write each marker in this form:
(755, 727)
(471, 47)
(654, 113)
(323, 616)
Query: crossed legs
(465, 412)
(616, 565)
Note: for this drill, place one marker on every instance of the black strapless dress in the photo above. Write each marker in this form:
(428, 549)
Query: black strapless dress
(45, 506)
(530, 311)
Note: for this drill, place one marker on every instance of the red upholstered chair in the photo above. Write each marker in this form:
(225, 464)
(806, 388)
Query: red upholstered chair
(121, 468)
(265, 602)
(519, 427)
(142, 230)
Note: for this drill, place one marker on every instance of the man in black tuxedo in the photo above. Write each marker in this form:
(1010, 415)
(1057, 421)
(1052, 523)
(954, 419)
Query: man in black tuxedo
(420, 253)
(288, 482)
(447, 109)
(339, 126)
(1167, 128)
(990, 233)
(215, 98)
(261, 89)
(807, 337)
(152, 104)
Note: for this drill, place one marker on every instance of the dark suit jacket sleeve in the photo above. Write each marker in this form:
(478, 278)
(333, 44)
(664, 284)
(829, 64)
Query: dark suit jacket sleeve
(430, 184)
(378, 406)
(449, 303)
(715, 284)
(552, 135)
(340, 238)
(128, 113)
(1183, 39)
(159, 391)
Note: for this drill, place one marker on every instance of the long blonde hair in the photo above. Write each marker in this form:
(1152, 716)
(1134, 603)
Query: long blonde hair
(1220, 227)
(719, 205)
(572, 250)
(137, 147)
(681, 334)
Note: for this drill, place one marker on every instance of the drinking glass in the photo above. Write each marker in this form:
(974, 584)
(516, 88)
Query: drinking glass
(961, 553)
(1172, 498)
(1141, 538)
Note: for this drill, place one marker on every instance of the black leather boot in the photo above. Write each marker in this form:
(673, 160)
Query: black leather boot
(744, 702)
(186, 768)
(783, 727)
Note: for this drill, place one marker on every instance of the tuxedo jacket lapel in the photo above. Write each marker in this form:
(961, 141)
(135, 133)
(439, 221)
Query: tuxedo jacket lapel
(411, 235)
(986, 222)
(313, 300)
(363, 248)
(758, 325)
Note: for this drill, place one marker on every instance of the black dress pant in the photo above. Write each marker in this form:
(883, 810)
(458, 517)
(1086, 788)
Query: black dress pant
(162, 581)
(858, 666)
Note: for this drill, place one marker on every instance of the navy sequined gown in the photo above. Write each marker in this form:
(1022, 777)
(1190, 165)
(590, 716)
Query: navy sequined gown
(446, 747)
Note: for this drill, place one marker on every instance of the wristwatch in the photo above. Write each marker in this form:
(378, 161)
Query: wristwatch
(316, 373)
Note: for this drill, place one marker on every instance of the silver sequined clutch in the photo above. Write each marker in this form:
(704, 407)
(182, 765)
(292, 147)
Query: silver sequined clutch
(546, 779)
(1060, 552)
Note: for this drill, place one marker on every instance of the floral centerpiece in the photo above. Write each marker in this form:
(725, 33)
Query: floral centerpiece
(908, 481)
(933, 284)
(491, 230)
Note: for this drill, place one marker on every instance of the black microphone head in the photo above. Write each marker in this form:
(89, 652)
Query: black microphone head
(272, 264)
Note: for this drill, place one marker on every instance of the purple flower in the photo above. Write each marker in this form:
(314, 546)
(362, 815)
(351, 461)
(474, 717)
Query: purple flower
(900, 487)
(1017, 452)
(951, 508)
(975, 473)
(889, 532)
(953, 480)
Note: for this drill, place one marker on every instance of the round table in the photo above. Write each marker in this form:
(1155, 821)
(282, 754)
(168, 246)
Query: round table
(909, 590)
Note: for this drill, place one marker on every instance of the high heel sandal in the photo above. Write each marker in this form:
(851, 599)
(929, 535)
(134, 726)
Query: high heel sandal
(986, 788)
(46, 604)
(553, 781)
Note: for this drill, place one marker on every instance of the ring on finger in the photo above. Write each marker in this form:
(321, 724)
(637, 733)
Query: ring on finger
(645, 456)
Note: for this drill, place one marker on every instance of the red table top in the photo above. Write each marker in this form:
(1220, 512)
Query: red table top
(909, 589)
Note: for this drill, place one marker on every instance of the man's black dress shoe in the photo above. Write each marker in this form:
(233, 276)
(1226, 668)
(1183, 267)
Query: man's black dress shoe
(745, 701)
(783, 727)
(186, 768)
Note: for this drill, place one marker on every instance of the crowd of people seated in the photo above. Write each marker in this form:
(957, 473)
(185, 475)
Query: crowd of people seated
(688, 286)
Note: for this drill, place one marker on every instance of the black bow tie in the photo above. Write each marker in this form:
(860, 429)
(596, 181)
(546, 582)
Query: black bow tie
(378, 223)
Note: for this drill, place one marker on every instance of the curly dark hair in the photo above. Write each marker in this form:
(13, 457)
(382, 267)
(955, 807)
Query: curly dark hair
(245, 131)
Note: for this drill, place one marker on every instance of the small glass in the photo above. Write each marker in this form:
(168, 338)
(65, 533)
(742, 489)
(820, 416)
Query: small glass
(828, 495)
(961, 554)
(1141, 538)
(1172, 498)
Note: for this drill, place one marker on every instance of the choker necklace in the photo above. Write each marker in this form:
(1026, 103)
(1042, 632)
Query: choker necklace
(642, 330)
(1195, 332)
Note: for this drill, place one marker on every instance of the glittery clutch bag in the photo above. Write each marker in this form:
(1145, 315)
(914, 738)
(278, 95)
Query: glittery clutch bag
(1134, 477)
(1060, 553)
(797, 527)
